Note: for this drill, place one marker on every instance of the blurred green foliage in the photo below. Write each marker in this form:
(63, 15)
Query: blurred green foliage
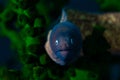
(84, 75)
(109, 5)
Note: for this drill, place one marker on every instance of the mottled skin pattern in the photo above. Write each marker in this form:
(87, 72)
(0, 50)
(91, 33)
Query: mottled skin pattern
(87, 21)
(64, 43)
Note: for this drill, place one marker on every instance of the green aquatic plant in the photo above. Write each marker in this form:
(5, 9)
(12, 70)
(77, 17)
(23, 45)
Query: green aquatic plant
(81, 75)
(25, 23)
(109, 5)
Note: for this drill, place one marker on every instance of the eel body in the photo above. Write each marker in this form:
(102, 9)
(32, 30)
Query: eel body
(85, 22)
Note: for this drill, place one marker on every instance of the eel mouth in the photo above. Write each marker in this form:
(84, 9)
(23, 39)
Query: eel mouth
(63, 53)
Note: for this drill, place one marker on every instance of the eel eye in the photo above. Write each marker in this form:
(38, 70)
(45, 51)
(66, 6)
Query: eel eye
(56, 42)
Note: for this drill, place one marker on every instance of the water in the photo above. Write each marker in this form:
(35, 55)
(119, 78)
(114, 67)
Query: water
(85, 5)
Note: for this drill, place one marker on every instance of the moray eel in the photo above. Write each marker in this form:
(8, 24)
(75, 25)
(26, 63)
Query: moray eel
(64, 42)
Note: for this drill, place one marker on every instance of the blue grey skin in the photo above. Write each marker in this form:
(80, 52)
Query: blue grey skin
(66, 42)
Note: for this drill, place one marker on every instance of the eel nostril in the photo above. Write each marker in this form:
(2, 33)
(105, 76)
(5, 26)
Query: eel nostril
(71, 41)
